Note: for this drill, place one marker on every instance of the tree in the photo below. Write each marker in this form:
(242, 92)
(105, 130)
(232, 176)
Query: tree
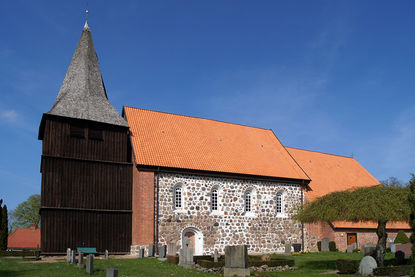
(4, 229)
(378, 203)
(392, 181)
(27, 213)
(411, 198)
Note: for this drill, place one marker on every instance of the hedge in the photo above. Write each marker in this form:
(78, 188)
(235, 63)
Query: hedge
(272, 263)
(393, 270)
(401, 237)
(332, 246)
(346, 266)
(319, 246)
(24, 253)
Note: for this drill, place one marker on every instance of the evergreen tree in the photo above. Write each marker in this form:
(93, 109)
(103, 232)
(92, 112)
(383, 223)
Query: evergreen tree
(4, 230)
(378, 203)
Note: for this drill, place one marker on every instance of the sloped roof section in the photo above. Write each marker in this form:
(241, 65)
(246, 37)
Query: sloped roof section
(400, 225)
(330, 173)
(82, 94)
(27, 238)
(177, 141)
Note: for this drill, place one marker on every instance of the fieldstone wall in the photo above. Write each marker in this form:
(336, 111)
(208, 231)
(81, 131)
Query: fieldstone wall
(263, 229)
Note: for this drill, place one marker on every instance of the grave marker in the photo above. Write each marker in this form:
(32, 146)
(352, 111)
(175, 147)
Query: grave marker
(68, 255)
(150, 250)
(90, 264)
(236, 261)
(80, 259)
(325, 245)
(186, 254)
(171, 249)
(141, 253)
(112, 272)
(106, 254)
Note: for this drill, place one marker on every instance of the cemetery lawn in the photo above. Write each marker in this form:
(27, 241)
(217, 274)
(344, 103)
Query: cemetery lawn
(312, 264)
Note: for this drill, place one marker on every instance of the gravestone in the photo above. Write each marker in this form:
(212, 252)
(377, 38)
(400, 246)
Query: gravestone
(73, 257)
(68, 255)
(367, 265)
(141, 253)
(90, 264)
(80, 259)
(236, 261)
(287, 250)
(405, 248)
(325, 245)
(186, 254)
(150, 250)
(351, 247)
(171, 249)
(369, 249)
(112, 272)
(392, 245)
(297, 247)
(216, 256)
(162, 252)
(106, 254)
(399, 257)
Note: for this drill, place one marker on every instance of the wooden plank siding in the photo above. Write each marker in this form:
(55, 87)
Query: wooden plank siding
(86, 190)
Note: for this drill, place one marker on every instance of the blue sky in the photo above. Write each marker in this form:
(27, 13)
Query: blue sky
(332, 76)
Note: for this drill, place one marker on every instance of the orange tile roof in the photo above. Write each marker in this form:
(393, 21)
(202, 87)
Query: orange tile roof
(177, 141)
(28, 238)
(370, 225)
(330, 173)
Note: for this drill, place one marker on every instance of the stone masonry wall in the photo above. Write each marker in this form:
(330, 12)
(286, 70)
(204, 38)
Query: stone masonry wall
(263, 230)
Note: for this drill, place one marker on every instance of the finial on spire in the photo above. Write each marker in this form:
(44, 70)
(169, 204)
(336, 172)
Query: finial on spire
(86, 26)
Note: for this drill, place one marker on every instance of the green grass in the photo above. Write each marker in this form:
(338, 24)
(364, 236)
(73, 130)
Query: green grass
(126, 267)
(312, 264)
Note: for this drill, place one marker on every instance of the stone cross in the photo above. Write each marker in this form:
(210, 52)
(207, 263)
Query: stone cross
(68, 255)
(171, 249)
(106, 254)
(150, 250)
(90, 264)
(216, 256)
(141, 253)
(236, 261)
(80, 259)
(325, 245)
(112, 272)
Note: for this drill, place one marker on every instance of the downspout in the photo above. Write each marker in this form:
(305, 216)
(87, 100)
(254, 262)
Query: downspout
(156, 211)
(302, 224)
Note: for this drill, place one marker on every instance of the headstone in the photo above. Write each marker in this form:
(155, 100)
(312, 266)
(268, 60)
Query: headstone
(171, 249)
(106, 254)
(325, 245)
(405, 248)
(367, 265)
(162, 251)
(351, 247)
(369, 249)
(68, 255)
(216, 256)
(141, 253)
(399, 257)
(287, 249)
(112, 272)
(297, 247)
(236, 261)
(150, 250)
(186, 254)
(80, 259)
(90, 264)
(392, 245)
(73, 257)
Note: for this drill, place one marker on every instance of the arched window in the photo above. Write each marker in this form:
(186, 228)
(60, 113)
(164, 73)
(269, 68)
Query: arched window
(177, 197)
(214, 199)
(248, 201)
(279, 203)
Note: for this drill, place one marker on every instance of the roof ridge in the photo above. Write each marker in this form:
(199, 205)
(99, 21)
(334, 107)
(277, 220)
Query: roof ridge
(198, 117)
(342, 156)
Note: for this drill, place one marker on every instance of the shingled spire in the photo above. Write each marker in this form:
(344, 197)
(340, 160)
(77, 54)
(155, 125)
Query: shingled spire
(82, 94)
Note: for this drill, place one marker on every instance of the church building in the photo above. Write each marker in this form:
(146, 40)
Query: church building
(121, 182)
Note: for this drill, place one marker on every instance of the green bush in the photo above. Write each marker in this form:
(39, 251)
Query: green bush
(356, 250)
(272, 262)
(345, 266)
(388, 250)
(401, 237)
(332, 246)
(15, 253)
(210, 264)
(393, 270)
(319, 246)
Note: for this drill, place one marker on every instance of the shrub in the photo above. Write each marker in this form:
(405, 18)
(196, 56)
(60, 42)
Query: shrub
(210, 264)
(393, 270)
(23, 253)
(388, 250)
(401, 237)
(356, 250)
(345, 266)
(319, 246)
(332, 246)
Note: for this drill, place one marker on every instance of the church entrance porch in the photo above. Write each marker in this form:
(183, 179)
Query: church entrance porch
(195, 237)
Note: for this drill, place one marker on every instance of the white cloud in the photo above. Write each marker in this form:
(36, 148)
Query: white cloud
(9, 115)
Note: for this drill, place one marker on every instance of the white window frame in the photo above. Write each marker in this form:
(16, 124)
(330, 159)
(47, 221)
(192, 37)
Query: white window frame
(251, 211)
(178, 198)
(214, 200)
(282, 212)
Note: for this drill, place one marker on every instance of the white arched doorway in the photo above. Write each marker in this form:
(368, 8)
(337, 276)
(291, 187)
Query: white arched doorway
(196, 240)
